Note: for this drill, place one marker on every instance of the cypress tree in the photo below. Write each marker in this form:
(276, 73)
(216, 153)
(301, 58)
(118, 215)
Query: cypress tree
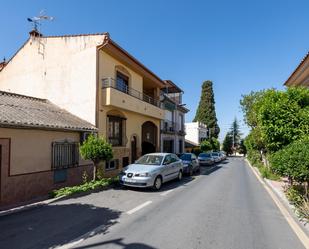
(206, 112)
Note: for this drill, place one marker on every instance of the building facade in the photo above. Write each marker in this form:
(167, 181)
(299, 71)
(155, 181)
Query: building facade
(196, 132)
(95, 79)
(38, 148)
(173, 124)
(300, 76)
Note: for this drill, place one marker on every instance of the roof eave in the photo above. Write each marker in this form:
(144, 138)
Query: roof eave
(115, 50)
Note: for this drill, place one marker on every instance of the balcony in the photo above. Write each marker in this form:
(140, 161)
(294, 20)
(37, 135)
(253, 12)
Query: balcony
(120, 95)
(168, 127)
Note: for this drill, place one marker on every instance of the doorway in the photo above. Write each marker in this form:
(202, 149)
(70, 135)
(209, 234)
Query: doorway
(149, 137)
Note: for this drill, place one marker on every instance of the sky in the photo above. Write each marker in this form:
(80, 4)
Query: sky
(242, 46)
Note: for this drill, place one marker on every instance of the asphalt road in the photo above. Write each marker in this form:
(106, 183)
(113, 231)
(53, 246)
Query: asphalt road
(226, 208)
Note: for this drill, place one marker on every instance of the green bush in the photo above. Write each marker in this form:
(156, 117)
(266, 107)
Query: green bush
(66, 191)
(267, 173)
(295, 195)
(206, 146)
(293, 161)
(96, 149)
(254, 157)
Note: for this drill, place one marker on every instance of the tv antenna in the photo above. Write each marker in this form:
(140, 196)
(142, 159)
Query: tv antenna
(36, 20)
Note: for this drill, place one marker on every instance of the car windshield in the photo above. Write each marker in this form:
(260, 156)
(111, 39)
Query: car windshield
(185, 157)
(150, 160)
(204, 155)
(215, 154)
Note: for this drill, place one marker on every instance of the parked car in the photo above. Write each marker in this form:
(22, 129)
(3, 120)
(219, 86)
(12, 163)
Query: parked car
(190, 163)
(205, 159)
(216, 156)
(151, 170)
(222, 155)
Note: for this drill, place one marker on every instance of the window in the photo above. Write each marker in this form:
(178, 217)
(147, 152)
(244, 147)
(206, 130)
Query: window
(167, 160)
(174, 158)
(64, 155)
(113, 164)
(115, 130)
(122, 82)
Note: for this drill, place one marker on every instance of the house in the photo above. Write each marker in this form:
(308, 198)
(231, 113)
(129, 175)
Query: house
(172, 126)
(196, 132)
(300, 76)
(92, 77)
(39, 148)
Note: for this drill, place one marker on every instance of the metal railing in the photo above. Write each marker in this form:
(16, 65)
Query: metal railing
(168, 126)
(120, 86)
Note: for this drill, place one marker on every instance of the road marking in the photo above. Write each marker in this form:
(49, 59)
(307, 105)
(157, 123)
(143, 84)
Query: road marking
(167, 192)
(293, 224)
(132, 211)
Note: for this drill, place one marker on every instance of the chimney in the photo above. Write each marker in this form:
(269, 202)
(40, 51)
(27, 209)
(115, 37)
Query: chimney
(35, 33)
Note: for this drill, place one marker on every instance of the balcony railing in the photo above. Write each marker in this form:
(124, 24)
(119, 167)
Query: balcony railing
(168, 126)
(120, 86)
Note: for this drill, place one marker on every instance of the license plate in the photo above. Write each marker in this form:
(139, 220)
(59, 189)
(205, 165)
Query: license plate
(130, 180)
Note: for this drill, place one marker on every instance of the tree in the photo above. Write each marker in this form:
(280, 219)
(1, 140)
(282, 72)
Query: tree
(96, 149)
(228, 143)
(235, 132)
(206, 146)
(242, 148)
(283, 117)
(215, 144)
(206, 112)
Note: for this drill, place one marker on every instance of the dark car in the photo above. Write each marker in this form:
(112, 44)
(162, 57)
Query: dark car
(190, 163)
(205, 159)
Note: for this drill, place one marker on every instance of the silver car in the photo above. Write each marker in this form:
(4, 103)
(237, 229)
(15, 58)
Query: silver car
(152, 170)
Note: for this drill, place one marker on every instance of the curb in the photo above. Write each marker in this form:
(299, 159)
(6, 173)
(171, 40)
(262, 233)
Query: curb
(284, 202)
(28, 207)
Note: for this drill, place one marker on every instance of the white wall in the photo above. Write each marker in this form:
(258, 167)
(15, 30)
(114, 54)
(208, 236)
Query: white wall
(61, 69)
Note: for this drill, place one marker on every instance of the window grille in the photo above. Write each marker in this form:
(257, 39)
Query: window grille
(65, 155)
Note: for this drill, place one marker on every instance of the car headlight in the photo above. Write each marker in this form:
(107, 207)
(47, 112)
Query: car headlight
(146, 174)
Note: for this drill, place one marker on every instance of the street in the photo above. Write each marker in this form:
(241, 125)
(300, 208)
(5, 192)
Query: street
(222, 208)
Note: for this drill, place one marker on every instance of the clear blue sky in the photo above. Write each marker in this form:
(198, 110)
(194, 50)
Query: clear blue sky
(239, 45)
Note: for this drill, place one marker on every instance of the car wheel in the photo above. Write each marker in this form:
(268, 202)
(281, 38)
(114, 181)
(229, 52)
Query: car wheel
(157, 183)
(179, 176)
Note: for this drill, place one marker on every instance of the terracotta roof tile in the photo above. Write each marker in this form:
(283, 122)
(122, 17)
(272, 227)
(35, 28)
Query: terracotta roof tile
(23, 111)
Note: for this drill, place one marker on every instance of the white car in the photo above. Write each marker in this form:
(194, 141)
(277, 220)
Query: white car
(151, 170)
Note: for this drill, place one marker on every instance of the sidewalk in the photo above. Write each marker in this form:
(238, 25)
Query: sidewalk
(278, 188)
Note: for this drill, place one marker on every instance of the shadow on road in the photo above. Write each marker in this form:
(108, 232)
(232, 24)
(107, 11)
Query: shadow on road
(54, 225)
(117, 243)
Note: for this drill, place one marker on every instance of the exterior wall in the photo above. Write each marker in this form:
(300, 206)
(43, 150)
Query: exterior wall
(60, 69)
(195, 131)
(134, 110)
(118, 99)
(25, 164)
(134, 122)
(31, 149)
(108, 66)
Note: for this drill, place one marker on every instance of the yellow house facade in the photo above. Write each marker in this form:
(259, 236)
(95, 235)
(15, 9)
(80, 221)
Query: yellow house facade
(95, 79)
